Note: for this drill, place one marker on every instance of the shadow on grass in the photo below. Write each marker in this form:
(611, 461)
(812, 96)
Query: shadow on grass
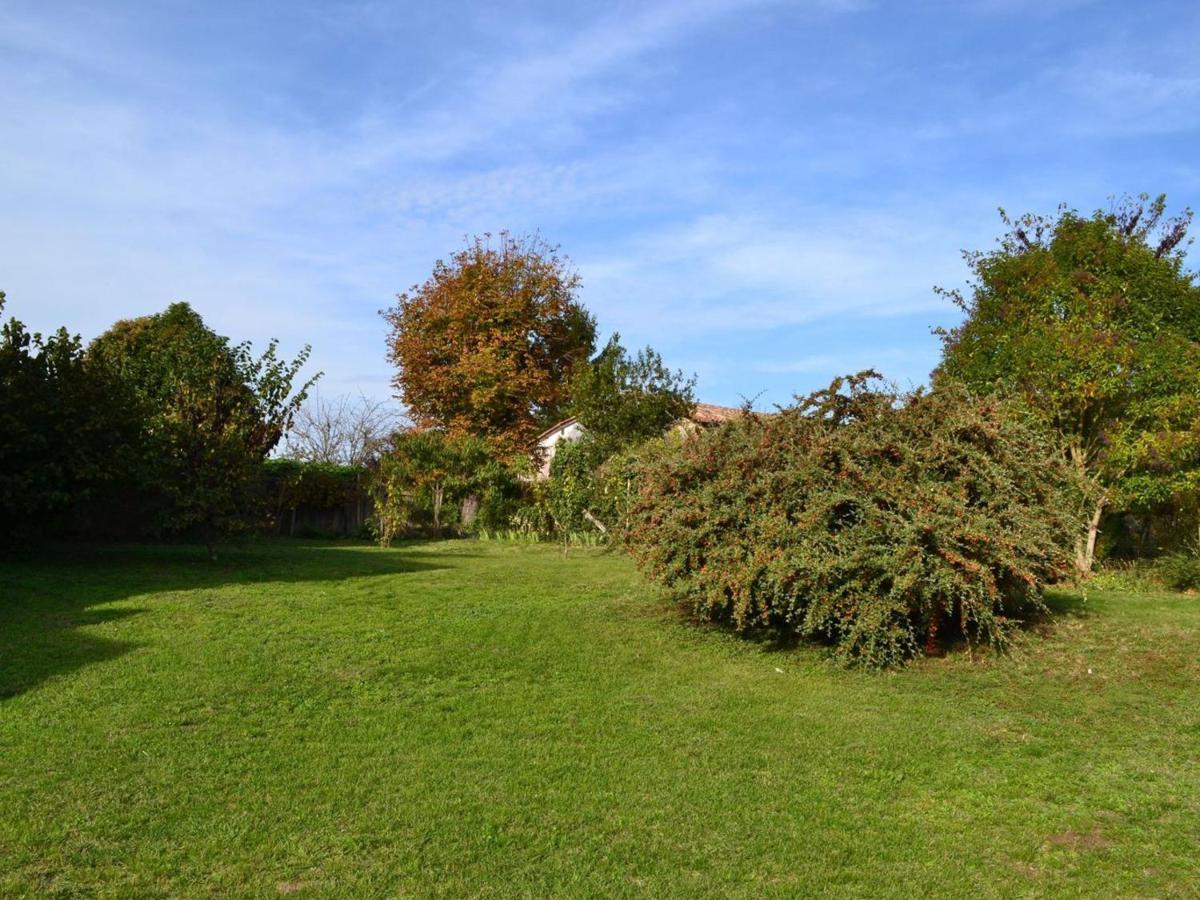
(33, 649)
(1067, 604)
(46, 597)
(1062, 604)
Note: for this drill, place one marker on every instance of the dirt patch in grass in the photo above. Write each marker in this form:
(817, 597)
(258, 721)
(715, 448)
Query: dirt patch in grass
(1029, 871)
(1075, 840)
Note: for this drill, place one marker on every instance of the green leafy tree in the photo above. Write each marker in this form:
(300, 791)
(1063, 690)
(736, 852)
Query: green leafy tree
(426, 471)
(64, 428)
(1094, 321)
(589, 491)
(487, 345)
(212, 412)
(568, 495)
(622, 400)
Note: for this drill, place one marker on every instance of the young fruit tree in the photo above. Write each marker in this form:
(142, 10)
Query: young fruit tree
(487, 345)
(1095, 323)
(423, 472)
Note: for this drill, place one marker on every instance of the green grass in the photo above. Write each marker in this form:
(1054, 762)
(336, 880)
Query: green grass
(475, 718)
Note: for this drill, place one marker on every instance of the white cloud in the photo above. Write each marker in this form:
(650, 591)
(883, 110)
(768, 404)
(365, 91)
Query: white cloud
(132, 177)
(730, 272)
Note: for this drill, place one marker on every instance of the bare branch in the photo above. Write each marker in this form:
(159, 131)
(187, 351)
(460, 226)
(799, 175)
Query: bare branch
(346, 430)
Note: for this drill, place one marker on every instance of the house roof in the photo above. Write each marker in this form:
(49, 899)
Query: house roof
(702, 414)
(711, 414)
(570, 420)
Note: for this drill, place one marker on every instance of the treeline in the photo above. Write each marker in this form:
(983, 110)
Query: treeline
(1089, 323)
(157, 428)
(1062, 425)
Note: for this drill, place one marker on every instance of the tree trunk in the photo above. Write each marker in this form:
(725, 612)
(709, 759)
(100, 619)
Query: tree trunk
(1085, 548)
(931, 636)
(468, 509)
(210, 542)
(438, 492)
(1085, 555)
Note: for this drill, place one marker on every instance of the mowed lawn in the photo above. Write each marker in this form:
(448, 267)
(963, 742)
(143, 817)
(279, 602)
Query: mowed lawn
(475, 719)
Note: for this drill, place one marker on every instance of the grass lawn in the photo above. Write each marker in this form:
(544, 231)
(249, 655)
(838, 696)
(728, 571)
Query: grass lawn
(467, 718)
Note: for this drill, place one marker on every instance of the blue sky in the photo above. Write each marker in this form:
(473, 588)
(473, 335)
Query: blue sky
(764, 191)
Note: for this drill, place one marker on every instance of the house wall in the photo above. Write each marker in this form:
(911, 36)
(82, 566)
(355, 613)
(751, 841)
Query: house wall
(548, 444)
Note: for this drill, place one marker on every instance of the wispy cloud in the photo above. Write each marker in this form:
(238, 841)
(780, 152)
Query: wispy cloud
(725, 272)
(731, 176)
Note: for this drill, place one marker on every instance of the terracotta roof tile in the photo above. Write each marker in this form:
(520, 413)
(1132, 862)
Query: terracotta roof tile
(711, 414)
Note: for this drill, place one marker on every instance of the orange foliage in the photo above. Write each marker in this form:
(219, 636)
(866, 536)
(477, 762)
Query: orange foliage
(486, 346)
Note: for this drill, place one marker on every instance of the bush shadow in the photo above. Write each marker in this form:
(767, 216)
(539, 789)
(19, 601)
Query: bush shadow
(1067, 604)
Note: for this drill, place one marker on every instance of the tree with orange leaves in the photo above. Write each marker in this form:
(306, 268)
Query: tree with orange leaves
(487, 344)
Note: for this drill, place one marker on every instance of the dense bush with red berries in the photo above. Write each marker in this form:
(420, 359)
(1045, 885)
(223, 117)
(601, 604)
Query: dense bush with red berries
(883, 523)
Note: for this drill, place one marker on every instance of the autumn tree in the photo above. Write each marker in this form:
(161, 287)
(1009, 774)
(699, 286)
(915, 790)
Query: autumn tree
(1094, 321)
(211, 413)
(487, 345)
(622, 399)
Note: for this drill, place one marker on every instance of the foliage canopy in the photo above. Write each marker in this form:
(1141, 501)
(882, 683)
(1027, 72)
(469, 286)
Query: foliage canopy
(62, 424)
(211, 413)
(622, 400)
(1094, 322)
(486, 346)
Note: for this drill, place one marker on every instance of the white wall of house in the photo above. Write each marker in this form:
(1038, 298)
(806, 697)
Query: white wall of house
(569, 430)
(705, 415)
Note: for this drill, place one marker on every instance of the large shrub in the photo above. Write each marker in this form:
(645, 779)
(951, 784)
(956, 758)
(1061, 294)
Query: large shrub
(421, 482)
(210, 413)
(66, 429)
(880, 522)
